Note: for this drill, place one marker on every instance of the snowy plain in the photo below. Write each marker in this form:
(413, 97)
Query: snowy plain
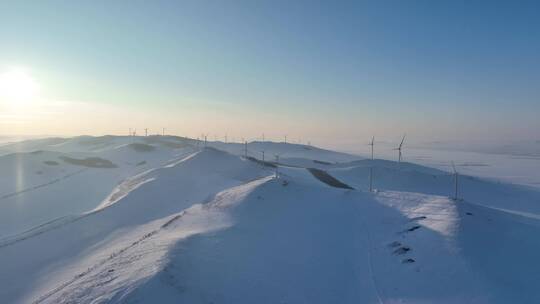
(163, 219)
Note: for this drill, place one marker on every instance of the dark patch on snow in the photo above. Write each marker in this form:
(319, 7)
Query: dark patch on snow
(321, 162)
(328, 179)
(394, 244)
(141, 147)
(468, 213)
(418, 218)
(39, 172)
(413, 228)
(92, 162)
(51, 163)
(141, 163)
(402, 250)
(261, 162)
(408, 261)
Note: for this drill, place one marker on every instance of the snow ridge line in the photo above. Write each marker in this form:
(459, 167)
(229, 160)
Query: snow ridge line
(133, 182)
(102, 262)
(64, 220)
(216, 202)
(109, 258)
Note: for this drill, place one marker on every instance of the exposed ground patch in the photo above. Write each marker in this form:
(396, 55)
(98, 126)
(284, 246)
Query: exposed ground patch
(141, 147)
(91, 162)
(328, 179)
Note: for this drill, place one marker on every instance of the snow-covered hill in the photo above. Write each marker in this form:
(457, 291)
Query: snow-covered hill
(164, 220)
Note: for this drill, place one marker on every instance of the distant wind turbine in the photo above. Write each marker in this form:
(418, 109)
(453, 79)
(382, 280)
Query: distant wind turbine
(399, 149)
(456, 174)
(372, 143)
(277, 163)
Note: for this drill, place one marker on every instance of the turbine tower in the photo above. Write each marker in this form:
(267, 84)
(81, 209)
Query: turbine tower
(399, 149)
(456, 174)
(371, 179)
(277, 163)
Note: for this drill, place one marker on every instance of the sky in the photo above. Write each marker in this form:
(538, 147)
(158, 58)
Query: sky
(332, 72)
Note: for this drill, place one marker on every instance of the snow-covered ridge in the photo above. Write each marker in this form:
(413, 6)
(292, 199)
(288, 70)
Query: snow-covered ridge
(176, 222)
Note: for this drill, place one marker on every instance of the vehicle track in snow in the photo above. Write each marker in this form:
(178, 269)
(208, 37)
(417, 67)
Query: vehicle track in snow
(116, 258)
(54, 181)
(368, 244)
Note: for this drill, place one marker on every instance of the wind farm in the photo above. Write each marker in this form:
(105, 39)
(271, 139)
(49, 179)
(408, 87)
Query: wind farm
(292, 152)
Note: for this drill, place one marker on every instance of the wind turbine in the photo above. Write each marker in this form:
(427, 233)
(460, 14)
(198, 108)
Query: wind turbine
(399, 149)
(456, 174)
(372, 143)
(277, 163)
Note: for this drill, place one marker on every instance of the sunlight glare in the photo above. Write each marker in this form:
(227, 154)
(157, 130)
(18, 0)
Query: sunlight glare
(17, 87)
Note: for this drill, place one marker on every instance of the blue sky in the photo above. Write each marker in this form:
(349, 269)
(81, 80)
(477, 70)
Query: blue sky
(325, 71)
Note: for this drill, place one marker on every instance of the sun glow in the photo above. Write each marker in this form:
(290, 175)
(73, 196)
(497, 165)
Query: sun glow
(17, 88)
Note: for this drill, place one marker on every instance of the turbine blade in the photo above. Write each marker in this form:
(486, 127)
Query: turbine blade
(402, 140)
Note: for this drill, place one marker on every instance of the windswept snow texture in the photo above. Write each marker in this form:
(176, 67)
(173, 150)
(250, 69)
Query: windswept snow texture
(206, 225)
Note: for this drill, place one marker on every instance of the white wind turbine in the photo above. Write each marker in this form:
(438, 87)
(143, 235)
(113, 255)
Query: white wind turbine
(372, 143)
(399, 149)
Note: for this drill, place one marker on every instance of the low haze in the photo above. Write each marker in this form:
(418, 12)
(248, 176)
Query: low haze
(331, 73)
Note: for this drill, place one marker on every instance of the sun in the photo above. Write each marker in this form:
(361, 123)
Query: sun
(17, 87)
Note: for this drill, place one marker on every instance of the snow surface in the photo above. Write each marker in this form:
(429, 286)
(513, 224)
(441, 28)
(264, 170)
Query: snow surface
(173, 222)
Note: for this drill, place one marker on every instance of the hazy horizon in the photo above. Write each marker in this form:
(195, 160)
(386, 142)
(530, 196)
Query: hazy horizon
(332, 74)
